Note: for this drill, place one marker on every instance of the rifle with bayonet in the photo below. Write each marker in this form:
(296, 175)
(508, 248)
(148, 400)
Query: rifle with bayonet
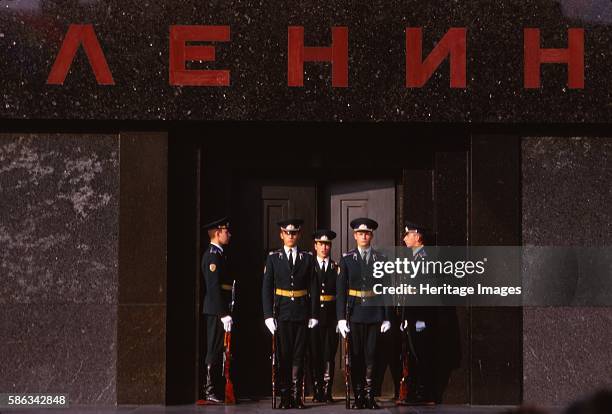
(230, 397)
(273, 357)
(347, 357)
(403, 389)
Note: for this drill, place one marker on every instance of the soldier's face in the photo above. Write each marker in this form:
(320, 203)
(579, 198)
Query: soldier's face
(412, 239)
(289, 238)
(322, 249)
(224, 236)
(363, 238)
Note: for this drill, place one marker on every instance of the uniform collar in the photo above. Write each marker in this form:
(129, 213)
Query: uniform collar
(293, 249)
(218, 246)
(368, 250)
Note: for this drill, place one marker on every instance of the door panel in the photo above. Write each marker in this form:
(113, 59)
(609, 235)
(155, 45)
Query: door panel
(373, 199)
(282, 202)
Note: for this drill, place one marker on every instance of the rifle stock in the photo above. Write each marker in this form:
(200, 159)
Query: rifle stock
(403, 391)
(347, 358)
(230, 397)
(274, 361)
(273, 370)
(347, 372)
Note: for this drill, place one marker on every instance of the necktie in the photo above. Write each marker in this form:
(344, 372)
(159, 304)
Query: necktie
(290, 258)
(364, 256)
(323, 265)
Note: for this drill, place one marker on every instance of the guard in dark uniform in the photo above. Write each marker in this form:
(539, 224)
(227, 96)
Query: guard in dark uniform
(290, 305)
(217, 298)
(324, 336)
(365, 322)
(433, 335)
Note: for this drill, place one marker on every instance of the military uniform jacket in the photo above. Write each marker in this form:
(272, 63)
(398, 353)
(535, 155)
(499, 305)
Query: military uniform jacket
(326, 282)
(357, 275)
(419, 313)
(217, 282)
(278, 275)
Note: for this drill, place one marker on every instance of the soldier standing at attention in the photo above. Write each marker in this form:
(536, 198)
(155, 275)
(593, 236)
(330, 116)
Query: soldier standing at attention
(324, 337)
(216, 309)
(290, 301)
(434, 334)
(366, 321)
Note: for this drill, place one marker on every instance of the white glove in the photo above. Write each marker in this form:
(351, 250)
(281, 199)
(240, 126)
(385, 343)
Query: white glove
(385, 326)
(271, 324)
(403, 325)
(227, 323)
(343, 327)
(312, 323)
(419, 325)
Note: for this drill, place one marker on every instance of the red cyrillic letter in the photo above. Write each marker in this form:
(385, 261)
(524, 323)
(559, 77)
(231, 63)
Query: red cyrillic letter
(453, 43)
(80, 34)
(337, 54)
(180, 53)
(573, 56)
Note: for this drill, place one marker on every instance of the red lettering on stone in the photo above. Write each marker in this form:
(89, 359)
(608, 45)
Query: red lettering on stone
(573, 56)
(180, 53)
(453, 44)
(337, 54)
(77, 35)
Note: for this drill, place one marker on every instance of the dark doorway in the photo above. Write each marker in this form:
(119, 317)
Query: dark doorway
(261, 203)
(416, 174)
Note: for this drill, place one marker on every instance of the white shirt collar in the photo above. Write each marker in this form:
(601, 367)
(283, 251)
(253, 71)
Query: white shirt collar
(415, 250)
(293, 250)
(215, 244)
(364, 250)
(320, 260)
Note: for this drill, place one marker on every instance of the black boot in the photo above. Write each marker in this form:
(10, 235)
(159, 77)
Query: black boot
(328, 382)
(296, 388)
(417, 392)
(359, 402)
(210, 395)
(369, 390)
(285, 399)
(317, 391)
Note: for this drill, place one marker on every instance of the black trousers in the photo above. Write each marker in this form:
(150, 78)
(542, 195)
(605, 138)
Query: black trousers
(323, 347)
(363, 339)
(214, 340)
(290, 348)
(389, 355)
(422, 366)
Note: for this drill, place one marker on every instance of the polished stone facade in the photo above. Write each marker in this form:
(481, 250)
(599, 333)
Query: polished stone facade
(83, 310)
(80, 314)
(59, 234)
(566, 202)
(135, 41)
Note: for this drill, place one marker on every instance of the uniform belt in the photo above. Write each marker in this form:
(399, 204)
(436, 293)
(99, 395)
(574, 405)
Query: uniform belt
(291, 293)
(327, 298)
(226, 287)
(361, 293)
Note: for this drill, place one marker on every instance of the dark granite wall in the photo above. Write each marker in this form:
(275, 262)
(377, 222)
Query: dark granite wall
(59, 201)
(141, 329)
(495, 341)
(566, 202)
(135, 41)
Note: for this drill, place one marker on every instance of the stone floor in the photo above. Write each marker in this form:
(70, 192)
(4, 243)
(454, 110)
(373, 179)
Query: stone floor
(264, 406)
